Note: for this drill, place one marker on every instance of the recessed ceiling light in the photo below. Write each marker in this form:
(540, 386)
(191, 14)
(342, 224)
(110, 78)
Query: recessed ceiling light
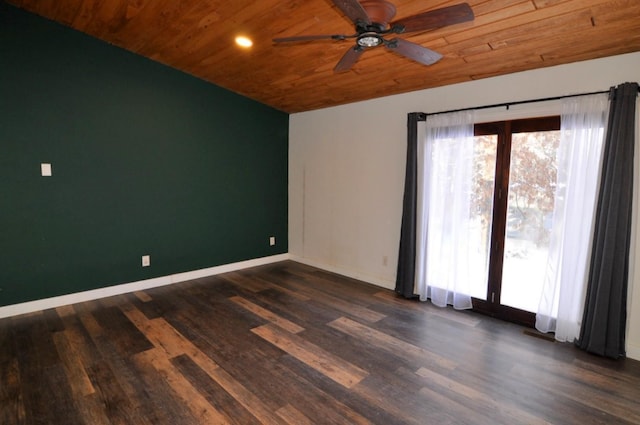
(243, 41)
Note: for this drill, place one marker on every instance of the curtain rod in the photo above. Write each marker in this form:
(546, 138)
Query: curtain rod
(423, 115)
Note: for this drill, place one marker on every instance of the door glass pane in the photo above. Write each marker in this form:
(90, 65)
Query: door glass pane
(482, 211)
(529, 217)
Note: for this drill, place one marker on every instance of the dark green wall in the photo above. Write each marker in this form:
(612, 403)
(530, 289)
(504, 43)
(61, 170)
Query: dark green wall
(146, 160)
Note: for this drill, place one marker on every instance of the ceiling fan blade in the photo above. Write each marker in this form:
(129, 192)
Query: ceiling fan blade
(414, 51)
(349, 59)
(353, 10)
(436, 18)
(310, 38)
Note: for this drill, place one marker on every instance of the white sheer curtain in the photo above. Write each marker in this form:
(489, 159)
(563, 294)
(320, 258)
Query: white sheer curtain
(445, 172)
(579, 159)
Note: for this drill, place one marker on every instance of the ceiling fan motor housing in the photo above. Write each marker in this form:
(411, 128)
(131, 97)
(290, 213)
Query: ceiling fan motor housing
(380, 11)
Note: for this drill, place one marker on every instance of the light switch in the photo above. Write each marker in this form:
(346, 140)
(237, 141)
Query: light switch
(45, 169)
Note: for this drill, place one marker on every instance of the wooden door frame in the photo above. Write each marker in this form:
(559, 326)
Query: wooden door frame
(504, 130)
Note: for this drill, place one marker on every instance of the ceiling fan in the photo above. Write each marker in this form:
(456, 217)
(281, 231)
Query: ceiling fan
(371, 19)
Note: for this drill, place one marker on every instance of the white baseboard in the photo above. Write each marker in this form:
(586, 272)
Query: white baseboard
(46, 303)
(388, 284)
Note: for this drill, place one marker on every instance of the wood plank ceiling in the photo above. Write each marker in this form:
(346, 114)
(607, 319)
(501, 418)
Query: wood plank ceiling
(197, 37)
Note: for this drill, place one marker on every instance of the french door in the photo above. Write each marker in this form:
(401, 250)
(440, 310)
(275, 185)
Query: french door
(514, 191)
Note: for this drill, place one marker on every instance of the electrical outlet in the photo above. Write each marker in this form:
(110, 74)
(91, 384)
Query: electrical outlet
(45, 169)
(272, 240)
(146, 260)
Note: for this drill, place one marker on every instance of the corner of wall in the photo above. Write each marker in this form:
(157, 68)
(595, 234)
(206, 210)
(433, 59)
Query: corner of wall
(633, 351)
(383, 283)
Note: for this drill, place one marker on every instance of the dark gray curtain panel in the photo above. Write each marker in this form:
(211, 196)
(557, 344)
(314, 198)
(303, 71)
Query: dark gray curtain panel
(605, 313)
(405, 275)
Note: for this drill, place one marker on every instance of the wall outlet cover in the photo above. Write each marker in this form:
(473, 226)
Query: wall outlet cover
(45, 169)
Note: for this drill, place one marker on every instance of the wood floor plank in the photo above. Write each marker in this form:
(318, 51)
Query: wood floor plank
(34, 342)
(39, 362)
(66, 310)
(81, 342)
(165, 337)
(293, 416)
(319, 397)
(391, 396)
(337, 369)
(355, 310)
(463, 414)
(436, 333)
(92, 410)
(597, 397)
(290, 292)
(245, 397)
(143, 296)
(287, 343)
(7, 341)
(54, 398)
(592, 376)
(390, 343)
(168, 339)
(329, 283)
(267, 315)
(217, 396)
(202, 410)
(160, 405)
(71, 361)
(307, 314)
(224, 333)
(395, 299)
(122, 333)
(245, 282)
(119, 407)
(12, 410)
(90, 324)
(508, 413)
(457, 316)
(123, 387)
(265, 375)
(340, 304)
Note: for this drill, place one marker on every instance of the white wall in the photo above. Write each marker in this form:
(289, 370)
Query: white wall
(346, 166)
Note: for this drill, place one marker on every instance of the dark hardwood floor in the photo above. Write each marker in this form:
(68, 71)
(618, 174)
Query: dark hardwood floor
(290, 344)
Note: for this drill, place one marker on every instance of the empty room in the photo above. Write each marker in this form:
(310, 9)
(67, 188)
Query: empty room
(319, 212)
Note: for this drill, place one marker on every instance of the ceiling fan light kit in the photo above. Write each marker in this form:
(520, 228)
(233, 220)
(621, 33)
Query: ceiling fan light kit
(369, 40)
(372, 21)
